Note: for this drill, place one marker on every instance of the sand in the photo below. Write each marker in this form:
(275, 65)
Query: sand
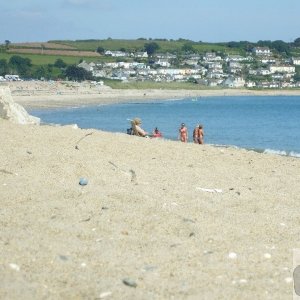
(172, 220)
(37, 94)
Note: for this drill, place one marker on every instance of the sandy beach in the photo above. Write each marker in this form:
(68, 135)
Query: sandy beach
(37, 94)
(157, 219)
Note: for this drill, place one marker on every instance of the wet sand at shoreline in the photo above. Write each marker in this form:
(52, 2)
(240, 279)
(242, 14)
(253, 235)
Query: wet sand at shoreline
(62, 94)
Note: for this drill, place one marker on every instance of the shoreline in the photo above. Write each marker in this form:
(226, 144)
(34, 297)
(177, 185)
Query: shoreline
(67, 94)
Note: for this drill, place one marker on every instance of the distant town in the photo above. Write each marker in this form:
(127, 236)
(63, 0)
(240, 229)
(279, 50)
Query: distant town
(258, 69)
(262, 65)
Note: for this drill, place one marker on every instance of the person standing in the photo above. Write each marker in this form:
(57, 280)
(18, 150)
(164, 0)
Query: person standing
(183, 133)
(198, 134)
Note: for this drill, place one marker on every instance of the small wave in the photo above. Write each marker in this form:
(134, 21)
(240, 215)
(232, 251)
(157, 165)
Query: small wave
(282, 152)
(264, 151)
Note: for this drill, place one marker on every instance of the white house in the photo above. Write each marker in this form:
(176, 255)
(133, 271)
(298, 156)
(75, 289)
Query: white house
(234, 82)
(261, 51)
(141, 54)
(281, 69)
(263, 72)
(237, 58)
(211, 56)
(86, 66)
(296, 61)
(267, 60)
(163, 63)
(250, 84)
(116, 53)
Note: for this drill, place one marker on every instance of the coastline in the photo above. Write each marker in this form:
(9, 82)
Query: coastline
(65, 94)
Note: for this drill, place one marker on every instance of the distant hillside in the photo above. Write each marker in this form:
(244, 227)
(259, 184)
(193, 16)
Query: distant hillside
(138, 45)
(88, 48)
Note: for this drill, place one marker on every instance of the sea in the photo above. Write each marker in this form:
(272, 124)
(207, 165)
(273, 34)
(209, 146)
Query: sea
(268, 124)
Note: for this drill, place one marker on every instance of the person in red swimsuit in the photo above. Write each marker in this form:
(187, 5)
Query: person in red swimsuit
(156, 133)
(183, 133)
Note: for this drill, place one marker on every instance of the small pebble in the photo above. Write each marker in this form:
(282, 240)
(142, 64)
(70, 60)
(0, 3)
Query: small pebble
(15, 267)
(63, 257)
(243, 281)
(232, 255)
(129, 282)
(83, 265)
(104, 295)
(83, 181)
(288, 279)
(267, 255)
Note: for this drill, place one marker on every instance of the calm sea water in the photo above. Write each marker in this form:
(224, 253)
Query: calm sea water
(261, 123)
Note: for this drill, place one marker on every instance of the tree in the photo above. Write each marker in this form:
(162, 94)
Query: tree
(20, 65)
(59, 63)
(151, 48)
(7, 43)
(79, 74)
(187, 47)
(281, 46)
(297, 42)
(297, 75)
(100, 50)
(3, 67)
(40, 72)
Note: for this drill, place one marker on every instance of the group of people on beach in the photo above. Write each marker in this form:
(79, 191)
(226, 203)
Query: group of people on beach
(198, 132)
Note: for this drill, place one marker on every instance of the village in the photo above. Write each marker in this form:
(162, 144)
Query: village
(260, 68)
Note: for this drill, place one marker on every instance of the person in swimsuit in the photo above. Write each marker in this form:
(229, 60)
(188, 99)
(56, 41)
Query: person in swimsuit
(183, 133)
(156, 133)
(201, 134)
(198, 134)
(137, 130)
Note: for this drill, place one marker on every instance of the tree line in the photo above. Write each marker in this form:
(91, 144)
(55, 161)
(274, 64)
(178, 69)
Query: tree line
(23, 67)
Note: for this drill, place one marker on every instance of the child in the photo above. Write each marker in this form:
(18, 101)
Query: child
(156, 133)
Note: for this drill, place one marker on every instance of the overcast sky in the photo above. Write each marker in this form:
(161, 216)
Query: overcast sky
(197, 20)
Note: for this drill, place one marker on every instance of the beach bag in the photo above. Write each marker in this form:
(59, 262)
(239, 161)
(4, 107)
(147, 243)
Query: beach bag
(130, 131)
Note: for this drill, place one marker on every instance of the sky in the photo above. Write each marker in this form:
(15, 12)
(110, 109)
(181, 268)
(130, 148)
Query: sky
(197, 20)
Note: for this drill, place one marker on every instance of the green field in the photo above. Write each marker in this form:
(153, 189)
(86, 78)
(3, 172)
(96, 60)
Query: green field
(138, 45)
(38, 59)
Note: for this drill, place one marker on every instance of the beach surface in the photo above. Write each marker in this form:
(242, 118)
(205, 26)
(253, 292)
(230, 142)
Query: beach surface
(38, 94)
(156, 219)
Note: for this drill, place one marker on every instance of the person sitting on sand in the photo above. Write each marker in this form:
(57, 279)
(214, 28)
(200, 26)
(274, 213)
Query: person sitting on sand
(198, 134)
(183, 133)
(137, 130)
(156, 133)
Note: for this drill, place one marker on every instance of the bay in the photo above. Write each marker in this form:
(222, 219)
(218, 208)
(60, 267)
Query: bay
(264, 123)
